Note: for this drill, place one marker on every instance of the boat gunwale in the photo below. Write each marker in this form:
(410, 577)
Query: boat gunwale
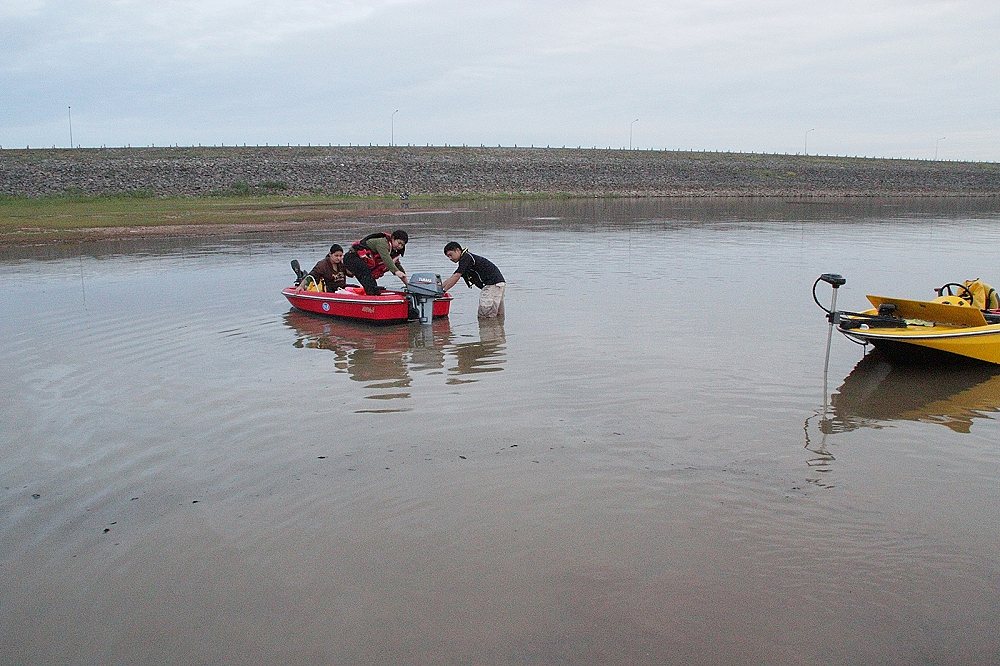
(291, 292)
(895, 334)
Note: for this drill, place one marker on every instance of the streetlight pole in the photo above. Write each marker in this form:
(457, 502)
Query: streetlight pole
(392, 129)
(805, 145)
(936, 143)
(630, 126)
(69, 110)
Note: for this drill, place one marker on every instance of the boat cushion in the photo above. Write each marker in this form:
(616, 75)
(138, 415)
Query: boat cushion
(984, 297)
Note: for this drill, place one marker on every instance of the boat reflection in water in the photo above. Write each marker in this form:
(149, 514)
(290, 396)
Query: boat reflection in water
(876, 393)
(386, 358)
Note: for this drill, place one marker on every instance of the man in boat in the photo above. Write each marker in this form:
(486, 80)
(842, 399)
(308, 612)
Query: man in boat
(479, 271)
(330, 269)
(375, 255)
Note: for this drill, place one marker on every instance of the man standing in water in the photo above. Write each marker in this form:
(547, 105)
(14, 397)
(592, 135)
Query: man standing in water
(478, 271)
(374, 255)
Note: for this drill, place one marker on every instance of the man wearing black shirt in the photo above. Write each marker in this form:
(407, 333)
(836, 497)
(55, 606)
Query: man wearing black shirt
(479, 271)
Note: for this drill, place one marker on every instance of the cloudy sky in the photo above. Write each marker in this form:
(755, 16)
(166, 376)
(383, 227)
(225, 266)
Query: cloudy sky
(892, 78)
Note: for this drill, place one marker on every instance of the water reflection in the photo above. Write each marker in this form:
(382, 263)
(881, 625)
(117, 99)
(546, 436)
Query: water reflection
(381, 357)
(484, 355)
(386, 358)
(876, 393)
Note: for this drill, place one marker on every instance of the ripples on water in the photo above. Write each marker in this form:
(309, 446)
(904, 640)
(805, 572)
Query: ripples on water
(640, 464)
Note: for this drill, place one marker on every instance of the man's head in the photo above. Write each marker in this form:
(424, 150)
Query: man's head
(453, 251)
(399, 240)
(336, 253)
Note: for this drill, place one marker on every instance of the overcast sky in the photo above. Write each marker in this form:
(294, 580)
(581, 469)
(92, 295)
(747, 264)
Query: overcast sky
(906, 78)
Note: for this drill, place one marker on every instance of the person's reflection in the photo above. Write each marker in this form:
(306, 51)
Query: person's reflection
(381, 357)
(487, 354)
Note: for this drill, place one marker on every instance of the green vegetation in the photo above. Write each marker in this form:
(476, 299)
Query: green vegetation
(67, 217)
(69, 213)
(142, 209)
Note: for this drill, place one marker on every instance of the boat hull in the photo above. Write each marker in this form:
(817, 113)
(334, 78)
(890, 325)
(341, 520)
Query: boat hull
(924, 343)
(353, 303)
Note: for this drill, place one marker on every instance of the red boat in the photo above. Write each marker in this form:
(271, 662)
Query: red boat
(424, 299)
(353, 303)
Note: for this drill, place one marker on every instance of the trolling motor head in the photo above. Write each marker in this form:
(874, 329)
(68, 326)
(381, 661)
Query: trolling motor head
(422, 289)
(835, 280)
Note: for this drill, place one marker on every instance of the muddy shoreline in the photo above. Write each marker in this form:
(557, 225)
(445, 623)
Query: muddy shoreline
(40, 235)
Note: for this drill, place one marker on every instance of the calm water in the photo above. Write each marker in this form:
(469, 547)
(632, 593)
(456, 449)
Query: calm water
(640, 464)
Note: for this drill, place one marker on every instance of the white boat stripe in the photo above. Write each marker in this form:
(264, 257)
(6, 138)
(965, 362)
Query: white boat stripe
(922, 336)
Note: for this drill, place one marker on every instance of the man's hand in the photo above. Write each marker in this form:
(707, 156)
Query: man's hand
(402, 276)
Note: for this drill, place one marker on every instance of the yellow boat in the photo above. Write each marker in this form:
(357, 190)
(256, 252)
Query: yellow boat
(954, 326)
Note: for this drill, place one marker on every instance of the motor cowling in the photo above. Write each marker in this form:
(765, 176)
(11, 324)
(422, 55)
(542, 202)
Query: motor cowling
(422, 289)
(427, 285)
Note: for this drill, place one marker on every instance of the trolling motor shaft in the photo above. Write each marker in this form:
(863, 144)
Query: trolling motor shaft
(835, 280)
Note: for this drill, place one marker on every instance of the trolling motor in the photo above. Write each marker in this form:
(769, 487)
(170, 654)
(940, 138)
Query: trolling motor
(835, 280)
(886, 316)
(422, 289)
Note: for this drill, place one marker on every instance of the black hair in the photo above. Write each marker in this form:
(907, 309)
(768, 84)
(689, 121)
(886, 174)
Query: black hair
(452, 246)
(401, 235)
(335, 248)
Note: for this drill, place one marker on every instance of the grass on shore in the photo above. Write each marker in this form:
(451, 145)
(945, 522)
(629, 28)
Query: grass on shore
(66, 216)
(70, 213)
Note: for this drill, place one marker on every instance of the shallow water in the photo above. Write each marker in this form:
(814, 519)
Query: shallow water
(640, 464)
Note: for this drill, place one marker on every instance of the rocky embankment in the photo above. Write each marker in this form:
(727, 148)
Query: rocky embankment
(392, 171)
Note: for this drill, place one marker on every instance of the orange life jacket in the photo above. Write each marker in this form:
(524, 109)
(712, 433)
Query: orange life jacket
(372, 259)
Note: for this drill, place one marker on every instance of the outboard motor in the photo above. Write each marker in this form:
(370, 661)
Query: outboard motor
(422, 289)
(299, 273)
